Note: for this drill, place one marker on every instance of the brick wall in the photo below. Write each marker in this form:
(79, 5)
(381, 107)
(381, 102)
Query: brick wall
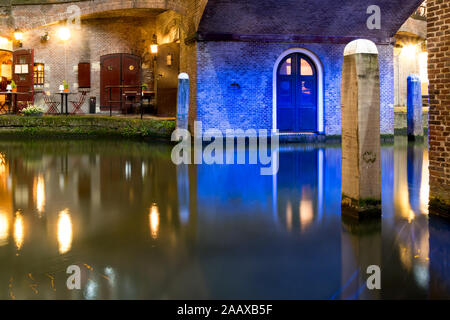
(96, 38)
(250, 64)
(439, 97)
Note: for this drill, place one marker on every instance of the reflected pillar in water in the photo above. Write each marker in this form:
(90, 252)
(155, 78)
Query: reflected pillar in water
(414, 173)
(360, 118)
(183, 192)
(414, 108)
(361, 247)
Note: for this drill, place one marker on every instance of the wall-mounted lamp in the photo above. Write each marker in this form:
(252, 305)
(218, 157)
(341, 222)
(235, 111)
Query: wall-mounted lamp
(18, 36)
(154, 45)
(45, 37)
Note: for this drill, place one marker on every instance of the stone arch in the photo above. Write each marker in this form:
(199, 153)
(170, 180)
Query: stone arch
(32, 16)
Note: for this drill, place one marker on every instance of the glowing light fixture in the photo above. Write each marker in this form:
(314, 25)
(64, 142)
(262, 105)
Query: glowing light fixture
(18, 35)
(154, 45)
(64, 33)
(409, 51)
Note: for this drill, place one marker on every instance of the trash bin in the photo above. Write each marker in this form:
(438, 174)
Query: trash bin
(92, 104)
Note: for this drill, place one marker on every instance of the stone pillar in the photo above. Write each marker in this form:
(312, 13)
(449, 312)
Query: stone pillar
(438, 42)
(360, 121)
(183, 101)
(414, 108)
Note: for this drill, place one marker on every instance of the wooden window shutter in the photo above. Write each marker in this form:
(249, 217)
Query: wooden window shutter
(84, 75)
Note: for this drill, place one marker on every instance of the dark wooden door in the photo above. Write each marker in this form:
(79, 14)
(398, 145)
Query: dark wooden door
(119, 69)
(168, 69)
(131, 70)
(297, 94)
(23, 66)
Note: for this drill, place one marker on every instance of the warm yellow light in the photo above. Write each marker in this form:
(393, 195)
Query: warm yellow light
(154, 221)
(289, 216)
(154, 48)
(64, 231)
(18, 230)
(64, 33)
(306, 210)
(4, 228)
(3, 165)
(423, 66)
(40, 193)
(409, 51)
(3, 40)
(18, 35)
(39, 67)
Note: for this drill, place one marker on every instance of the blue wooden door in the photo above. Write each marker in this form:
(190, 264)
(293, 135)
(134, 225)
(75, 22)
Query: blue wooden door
(297, 94)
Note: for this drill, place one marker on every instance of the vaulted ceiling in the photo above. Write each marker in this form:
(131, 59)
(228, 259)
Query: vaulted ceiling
(304, 17)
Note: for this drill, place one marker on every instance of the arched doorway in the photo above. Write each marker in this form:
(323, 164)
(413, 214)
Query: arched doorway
(297, 94)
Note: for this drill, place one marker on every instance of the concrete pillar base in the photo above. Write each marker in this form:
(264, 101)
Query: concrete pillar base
(363, 209)
(439, 207)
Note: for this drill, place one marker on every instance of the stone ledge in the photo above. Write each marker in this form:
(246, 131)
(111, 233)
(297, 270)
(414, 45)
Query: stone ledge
(85, 126)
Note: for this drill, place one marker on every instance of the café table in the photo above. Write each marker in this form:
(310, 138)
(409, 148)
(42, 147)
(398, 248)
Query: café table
(64, 101)
(12, 98)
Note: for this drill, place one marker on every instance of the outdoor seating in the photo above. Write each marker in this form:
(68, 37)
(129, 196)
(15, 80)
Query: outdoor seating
(79, 103)
(51, 104)
(131, 101)
(22, 105)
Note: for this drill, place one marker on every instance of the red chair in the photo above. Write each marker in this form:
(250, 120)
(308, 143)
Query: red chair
(78, 104)
(51, 104)
(22, 105)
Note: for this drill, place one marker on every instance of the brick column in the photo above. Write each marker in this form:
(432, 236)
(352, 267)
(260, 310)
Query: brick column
(439, 114)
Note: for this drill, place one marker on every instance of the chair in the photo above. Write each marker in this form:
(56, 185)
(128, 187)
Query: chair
(22, 105)
(132, 99)
(79, 103)
(52, 104)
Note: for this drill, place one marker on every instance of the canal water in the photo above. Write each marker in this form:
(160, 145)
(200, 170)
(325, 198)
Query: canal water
(138, 227)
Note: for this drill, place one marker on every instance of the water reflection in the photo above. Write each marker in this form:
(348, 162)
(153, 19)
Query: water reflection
(39, 187)
(140, 227)
(64, 231)
(4, 228)
(154, 221)
(18, 230)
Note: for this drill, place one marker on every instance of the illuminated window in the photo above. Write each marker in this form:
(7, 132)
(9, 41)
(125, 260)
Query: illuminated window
(286, 68)
(306, 69)
(39, 74)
